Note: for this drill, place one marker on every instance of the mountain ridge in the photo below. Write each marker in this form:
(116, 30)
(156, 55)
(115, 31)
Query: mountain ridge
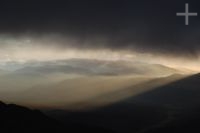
(15, 118)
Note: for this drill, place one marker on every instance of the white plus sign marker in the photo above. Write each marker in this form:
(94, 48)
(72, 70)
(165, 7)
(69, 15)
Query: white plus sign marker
(187, 14)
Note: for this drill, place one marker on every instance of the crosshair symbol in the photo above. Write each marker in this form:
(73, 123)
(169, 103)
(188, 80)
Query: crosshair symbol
(187, 14)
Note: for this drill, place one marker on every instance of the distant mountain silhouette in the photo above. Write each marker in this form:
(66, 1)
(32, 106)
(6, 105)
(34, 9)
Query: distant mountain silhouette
(18, 119)
(182, 102)
(183, 93)
(184, 122)
(121, 118)
(171, 108)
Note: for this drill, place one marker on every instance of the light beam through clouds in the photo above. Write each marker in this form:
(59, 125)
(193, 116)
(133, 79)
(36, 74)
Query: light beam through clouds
(29, 64)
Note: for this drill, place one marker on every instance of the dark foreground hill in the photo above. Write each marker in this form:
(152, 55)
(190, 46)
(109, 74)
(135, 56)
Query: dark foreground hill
(17, 119)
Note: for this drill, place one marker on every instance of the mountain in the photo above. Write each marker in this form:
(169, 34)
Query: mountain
(167, 104)
(16, 118)
(183, 93)
(182, 101)
(19, 119)
(172, 107)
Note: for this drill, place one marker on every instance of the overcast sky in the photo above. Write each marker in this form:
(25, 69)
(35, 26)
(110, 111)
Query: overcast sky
(141, 25)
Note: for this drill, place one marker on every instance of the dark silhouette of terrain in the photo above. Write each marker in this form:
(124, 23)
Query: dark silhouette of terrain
(183, 93)
(121, 118)
(171, 108)
(182, 101)
(18, 119)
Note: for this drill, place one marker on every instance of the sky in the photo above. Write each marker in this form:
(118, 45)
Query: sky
(120, 29)
(74, 48)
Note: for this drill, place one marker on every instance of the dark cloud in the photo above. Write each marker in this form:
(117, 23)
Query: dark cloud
(143, 25)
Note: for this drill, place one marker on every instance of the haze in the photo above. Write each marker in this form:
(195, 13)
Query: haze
(45, 74)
